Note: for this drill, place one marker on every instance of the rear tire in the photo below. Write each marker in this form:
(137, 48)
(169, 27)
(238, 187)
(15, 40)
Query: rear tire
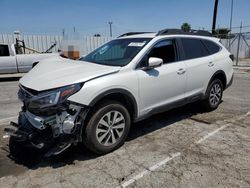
(107, 128)
(213, 95)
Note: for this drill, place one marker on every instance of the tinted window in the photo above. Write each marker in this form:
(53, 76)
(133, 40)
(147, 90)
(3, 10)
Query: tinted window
(193, 48)
(4, 50)
(211, 46)
(117, 52)
(164, 50)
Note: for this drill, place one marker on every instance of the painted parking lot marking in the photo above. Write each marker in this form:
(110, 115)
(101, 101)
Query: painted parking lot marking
(149, 170)
(211, 134)
(165, 161)
(248, 113)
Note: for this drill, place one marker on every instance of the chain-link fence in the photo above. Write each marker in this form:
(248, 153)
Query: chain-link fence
(239, 45)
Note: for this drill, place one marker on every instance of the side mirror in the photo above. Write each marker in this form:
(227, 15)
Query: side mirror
(154, 62)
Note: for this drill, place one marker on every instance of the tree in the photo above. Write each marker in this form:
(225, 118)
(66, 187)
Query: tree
(186, 27)
(97, 35)
(223, 33)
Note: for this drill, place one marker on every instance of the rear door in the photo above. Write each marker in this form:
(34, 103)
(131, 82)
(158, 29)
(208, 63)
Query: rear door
(199, 66)
(7, 60)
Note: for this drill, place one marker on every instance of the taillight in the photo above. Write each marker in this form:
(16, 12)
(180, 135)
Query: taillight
(231, 57)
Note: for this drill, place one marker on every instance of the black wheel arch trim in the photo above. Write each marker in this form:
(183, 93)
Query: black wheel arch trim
(215, 74)
(117, 91)
(230, 82)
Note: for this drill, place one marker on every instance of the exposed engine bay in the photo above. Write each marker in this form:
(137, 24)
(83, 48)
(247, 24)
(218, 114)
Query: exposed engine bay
(48, 120)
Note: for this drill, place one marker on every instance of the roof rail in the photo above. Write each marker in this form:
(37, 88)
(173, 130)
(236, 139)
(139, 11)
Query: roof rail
(181, 32)
(132, 33)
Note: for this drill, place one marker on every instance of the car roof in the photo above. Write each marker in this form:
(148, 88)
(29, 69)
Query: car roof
(144, 35)
(153, 35)
(169, 33)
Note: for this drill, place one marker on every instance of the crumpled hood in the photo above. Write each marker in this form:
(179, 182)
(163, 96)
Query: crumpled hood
(57, 72)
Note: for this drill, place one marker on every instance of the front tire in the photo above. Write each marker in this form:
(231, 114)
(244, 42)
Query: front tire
(213, 95)
(107, 128)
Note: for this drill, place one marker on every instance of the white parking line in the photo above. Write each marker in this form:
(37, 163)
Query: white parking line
(165, 161)
(248, 113)
(149, 170)
(5, 120)
(211, 134)
(217, 130)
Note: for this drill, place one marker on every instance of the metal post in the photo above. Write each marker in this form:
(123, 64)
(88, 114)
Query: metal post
(215, 15)
(63, 32)
(238, 47)
(231, 19)
(110, 28)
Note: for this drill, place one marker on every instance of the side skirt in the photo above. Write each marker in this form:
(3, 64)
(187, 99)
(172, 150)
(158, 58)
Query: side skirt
(170, 106)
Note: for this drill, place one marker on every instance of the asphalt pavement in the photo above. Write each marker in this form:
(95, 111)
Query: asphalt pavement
(184, 147)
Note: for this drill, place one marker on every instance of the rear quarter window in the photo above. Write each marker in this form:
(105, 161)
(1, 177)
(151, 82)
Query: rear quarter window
(211, 46)
(193, 48)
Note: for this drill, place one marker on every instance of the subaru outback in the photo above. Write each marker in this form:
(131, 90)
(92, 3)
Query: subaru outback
(94, 100)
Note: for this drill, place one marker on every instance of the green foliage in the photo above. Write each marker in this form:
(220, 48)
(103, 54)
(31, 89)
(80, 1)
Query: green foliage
(186, 27)
(223, 33)
(97, 35)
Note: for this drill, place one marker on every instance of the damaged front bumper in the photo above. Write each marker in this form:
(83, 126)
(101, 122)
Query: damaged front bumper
(48, 120)
(54, 134)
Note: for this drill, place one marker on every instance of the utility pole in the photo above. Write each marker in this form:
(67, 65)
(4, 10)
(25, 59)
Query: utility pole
(215, 16)
(63, 32)
(231, 20)
(238, 47)
(110, 28)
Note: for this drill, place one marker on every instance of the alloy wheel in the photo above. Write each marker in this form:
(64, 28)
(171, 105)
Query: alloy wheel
(110, 128)
(215, 94)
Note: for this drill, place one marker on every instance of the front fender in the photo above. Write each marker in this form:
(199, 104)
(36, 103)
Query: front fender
(122, 82)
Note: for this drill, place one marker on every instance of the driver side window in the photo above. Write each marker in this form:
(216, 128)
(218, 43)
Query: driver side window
(165, 49)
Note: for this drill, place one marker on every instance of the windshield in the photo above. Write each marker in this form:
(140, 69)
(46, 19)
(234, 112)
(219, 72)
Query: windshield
(117, 52)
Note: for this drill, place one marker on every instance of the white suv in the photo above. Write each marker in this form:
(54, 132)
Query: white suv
(94, 100)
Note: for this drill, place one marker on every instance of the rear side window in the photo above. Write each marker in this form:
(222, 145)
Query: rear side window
(4, 50)
(193, 48)
(211, 46)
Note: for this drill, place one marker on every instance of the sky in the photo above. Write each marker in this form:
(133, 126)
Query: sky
(89, 17)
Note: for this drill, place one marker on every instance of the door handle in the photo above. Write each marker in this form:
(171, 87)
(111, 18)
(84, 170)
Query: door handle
(210, 64)
(181, 71)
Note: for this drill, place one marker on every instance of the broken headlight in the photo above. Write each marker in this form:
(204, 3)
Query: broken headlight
(53, 97)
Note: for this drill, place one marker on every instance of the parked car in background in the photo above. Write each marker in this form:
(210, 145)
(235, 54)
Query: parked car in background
(95, 99)
(13, 61)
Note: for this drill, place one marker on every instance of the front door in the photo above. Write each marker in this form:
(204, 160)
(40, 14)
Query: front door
(163, 85)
